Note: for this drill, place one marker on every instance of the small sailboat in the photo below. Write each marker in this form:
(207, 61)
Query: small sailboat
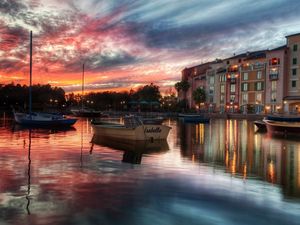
(39, 119)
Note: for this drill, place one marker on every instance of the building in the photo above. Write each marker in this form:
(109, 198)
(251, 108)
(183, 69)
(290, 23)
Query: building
(276, 72)
(292, 97)
(266, 81)
(232, 86)
(253, 77)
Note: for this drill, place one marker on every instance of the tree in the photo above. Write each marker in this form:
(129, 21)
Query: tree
(148, 93)
(199, 95)
(183, 86)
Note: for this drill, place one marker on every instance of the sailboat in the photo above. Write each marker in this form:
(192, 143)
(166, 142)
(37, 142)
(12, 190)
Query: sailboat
(84, 111)
(37, 118)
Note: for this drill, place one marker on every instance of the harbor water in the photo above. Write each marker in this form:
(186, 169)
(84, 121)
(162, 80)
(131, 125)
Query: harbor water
(223, 172)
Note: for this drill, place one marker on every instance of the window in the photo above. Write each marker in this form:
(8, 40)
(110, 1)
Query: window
(211, 80)
(232, 88)
(273, 97)
(295, 48)
(240, 60)
(232, 98)
(245, 76)
(274, 85)
(258, 97)
(245, 98)
(222, 97)
(227, 62)
(259, 75)
(294, 61)
(222, 78)
(294, 72)
(222, 88)
(211, 89)
(244, 86)
(294, 83)
(259, 86)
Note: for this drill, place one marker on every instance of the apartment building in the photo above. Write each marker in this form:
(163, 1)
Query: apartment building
(213, 84)
(292, 97)
(253, 74)
(266, 81)
(232, 85)
(276, 71)
(196, 76)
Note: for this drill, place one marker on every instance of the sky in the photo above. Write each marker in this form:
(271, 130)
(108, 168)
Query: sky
(125, 44)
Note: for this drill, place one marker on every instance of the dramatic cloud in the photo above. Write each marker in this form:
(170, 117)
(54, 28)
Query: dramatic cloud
(128, 43)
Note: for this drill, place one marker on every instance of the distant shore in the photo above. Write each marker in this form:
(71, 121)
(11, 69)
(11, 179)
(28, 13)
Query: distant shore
(175, 114)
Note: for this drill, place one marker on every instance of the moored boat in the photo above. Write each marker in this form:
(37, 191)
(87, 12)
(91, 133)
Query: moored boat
(132, 129)
(43, 120)
(261, 125)
(38, 119)
(86, 113)
(284, 118)
(194, 118)
(282, 127)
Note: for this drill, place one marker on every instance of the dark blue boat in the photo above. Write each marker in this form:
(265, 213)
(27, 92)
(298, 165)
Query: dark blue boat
(283, 118)
(194, 118)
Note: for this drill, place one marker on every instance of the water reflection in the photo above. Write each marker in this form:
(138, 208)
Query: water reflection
(133, 150)
(201, 174)
(28, 173)
(244, 153)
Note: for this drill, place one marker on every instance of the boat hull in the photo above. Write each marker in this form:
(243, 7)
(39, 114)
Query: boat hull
(277, 127)
(45, 120)
(191, 118)
(143, 132)
(261, 125)
(86, 113)
(284, 118)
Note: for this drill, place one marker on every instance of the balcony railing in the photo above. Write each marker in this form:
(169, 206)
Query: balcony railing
(273, 76)
(231, 80)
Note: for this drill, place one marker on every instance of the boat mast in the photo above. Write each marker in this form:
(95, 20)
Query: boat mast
(82, 91)
(30, 82)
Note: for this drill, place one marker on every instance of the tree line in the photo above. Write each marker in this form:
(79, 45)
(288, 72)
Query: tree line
(44, 97)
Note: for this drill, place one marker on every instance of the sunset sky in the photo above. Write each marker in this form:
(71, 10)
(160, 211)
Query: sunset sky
(127, 43)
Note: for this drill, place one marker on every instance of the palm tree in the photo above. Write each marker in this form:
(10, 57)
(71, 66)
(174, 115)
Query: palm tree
(183, 86)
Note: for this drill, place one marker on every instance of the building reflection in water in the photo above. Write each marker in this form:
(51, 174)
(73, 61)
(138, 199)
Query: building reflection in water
(233, 145)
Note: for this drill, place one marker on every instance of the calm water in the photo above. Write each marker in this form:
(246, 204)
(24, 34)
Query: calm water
(219, 173)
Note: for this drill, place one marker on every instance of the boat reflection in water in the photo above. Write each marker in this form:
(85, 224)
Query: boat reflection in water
(42, 130)
(133, 150)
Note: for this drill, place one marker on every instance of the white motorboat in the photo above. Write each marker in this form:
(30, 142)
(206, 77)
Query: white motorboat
(132, 129)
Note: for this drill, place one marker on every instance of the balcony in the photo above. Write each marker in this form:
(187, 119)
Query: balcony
(231, 80)
(273, 76)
